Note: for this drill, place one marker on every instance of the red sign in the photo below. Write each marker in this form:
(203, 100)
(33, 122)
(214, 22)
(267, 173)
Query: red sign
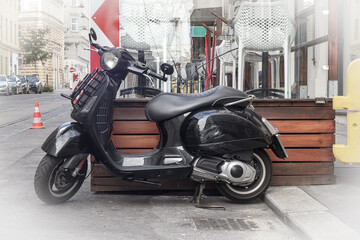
(105, 20)
(72, 69)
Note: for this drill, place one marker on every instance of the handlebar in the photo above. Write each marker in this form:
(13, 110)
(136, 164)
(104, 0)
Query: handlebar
(155, 75)
(65, 96)
(141, 70)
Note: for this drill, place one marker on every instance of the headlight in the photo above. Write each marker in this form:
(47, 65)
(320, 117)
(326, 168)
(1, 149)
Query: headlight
(108, 61)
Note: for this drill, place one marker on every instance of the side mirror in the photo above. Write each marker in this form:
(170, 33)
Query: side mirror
(92, 34)
(167, 68)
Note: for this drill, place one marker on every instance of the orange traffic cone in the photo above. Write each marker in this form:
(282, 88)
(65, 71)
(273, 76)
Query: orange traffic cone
(37, 118)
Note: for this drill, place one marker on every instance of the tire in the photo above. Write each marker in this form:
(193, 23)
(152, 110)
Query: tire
(256, 189)
(44, 179)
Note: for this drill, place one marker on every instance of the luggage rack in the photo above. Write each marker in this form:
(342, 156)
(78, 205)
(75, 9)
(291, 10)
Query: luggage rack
(86, 88)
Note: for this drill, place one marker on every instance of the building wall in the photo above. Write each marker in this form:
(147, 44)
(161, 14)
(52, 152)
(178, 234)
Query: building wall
(36, 14)
(9, 42)
(76, 25)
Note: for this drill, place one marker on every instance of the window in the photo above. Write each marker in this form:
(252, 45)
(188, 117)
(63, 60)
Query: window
(74, 24)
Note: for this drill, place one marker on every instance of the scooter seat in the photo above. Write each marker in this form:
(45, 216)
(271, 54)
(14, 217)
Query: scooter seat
(168, 105)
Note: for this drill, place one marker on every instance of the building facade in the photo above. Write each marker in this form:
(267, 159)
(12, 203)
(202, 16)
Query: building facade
(77, 57)
(40, 14)
(9, 41)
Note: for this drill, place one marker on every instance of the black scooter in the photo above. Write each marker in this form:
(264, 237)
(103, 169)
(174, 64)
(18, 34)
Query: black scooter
(214, 136)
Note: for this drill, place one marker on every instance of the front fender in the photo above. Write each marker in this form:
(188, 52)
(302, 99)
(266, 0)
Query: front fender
(67, 140)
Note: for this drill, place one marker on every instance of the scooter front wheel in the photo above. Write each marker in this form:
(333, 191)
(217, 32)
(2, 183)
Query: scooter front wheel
(262, 164)
(55, 185)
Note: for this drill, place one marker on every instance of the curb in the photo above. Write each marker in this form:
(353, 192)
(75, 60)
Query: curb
(308, 217)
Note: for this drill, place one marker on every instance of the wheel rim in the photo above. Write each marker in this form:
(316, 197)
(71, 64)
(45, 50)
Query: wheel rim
(58, 187)
(260, 168)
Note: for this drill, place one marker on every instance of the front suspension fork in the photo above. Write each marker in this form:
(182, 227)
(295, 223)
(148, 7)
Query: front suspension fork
(79, 167)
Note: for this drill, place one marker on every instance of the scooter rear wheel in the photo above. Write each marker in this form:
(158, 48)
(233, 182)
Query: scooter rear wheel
(52, 184)
(262, 164)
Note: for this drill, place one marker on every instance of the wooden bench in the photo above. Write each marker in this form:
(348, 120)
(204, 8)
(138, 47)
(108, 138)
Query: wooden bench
(307, 130)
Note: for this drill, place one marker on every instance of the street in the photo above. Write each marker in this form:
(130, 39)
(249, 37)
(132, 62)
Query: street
(16, 108)
(91, 215)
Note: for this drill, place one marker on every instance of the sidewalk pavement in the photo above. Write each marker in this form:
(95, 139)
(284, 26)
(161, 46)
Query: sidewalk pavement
(322, 211)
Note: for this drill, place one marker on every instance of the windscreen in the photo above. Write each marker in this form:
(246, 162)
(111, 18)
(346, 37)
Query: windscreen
(22, 79)
(13, 79)
(32, 78)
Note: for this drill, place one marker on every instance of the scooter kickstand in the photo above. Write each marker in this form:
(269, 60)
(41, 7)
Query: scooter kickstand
(199, 194)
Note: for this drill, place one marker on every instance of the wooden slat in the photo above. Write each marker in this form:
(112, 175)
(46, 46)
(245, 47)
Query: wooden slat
(292, 103)
(129, 114)
(99, 171)
(293, 141)
(130, 102)
(280, 113)
(308, 140)
(134, 127)
(135, 141)
(305, 126)
(141, 102)
(296, 113)
(294, 169)
(305, 155)
(302, 180)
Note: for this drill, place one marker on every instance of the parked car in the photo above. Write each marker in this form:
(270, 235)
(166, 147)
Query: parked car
(16, 88)
(24, 83)
(34, 83)
(5, 85)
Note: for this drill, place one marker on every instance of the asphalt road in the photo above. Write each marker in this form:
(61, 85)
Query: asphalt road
(105, 216)
(16, 108)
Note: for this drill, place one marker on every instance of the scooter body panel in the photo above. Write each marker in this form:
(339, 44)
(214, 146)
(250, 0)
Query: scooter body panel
(67, 140)
(216, 132)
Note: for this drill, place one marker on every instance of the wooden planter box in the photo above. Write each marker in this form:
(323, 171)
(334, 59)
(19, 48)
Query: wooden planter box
(307, 130)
